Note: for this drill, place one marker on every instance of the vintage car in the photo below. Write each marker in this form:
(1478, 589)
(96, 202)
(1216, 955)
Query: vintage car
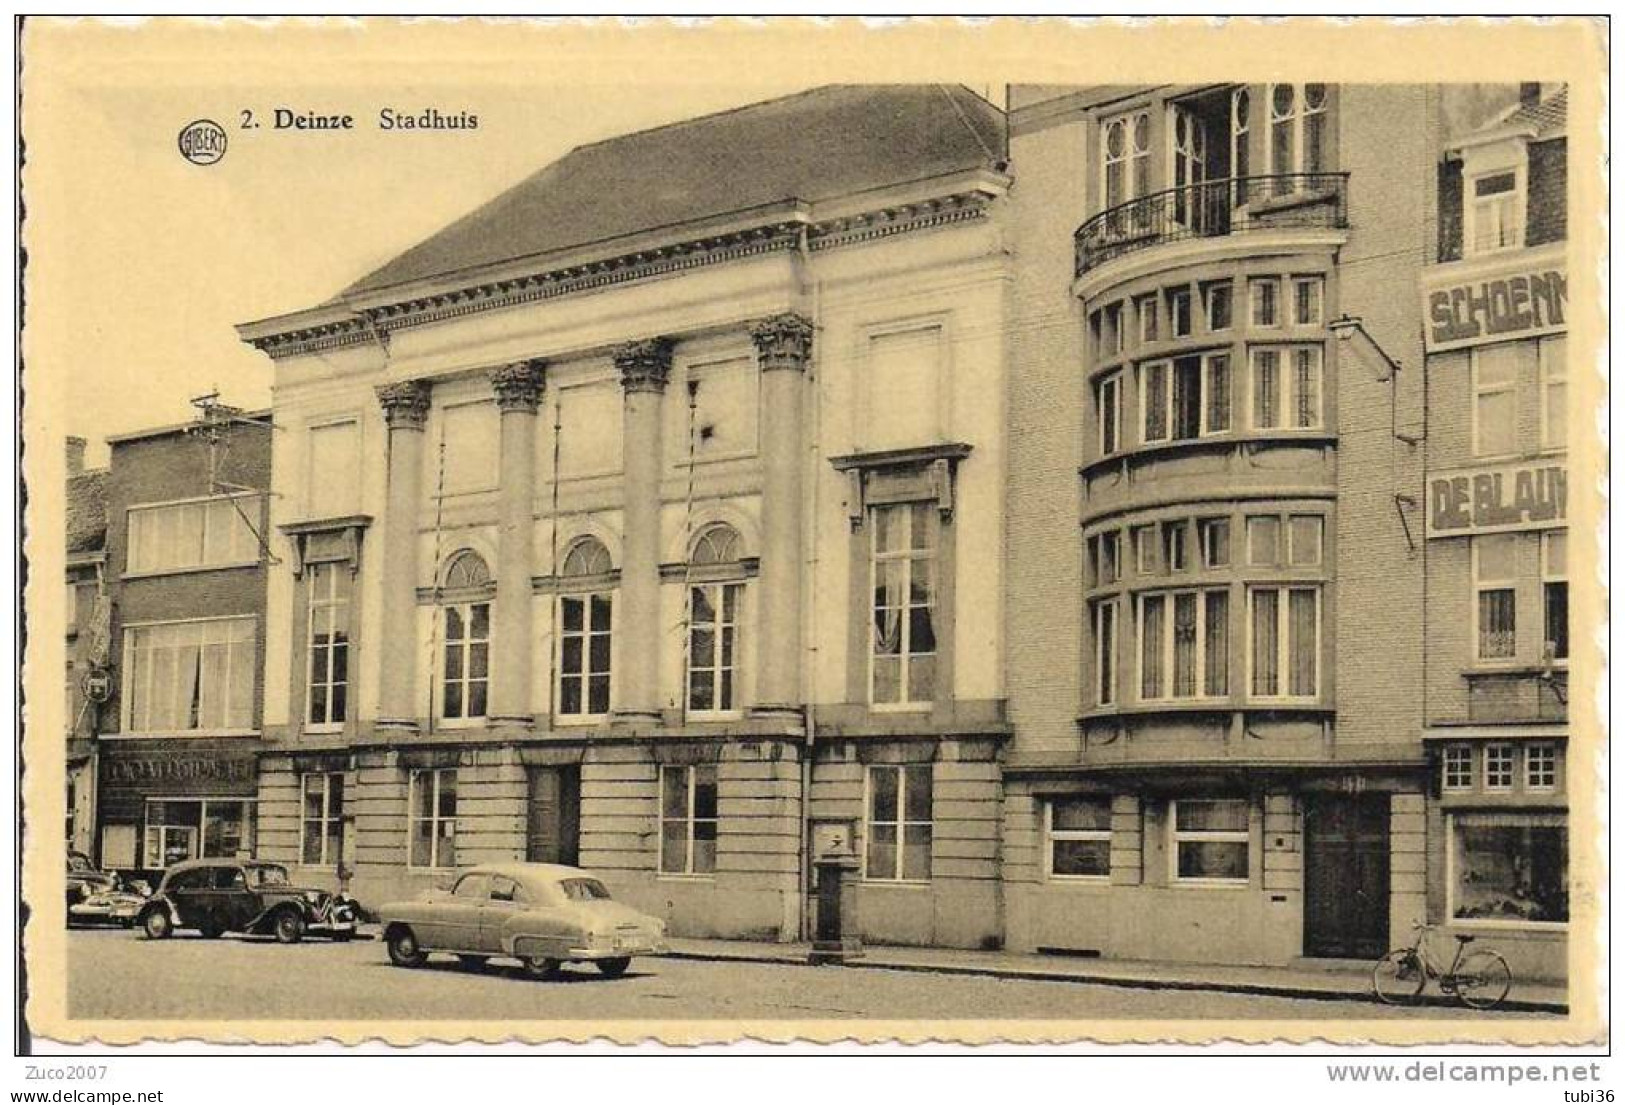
(542, 914)
(101, 897)
(216, 896)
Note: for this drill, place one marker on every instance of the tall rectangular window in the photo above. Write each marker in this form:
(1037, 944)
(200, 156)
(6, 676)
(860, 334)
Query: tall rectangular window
(898, 823)
(1263, 541)
(1458, 767)
(1184, 644)
(1147, 560)
(1126, 165)
(1216, 399)
(1154, 401)
(1554, 392)
(1495, 399)
(1304, 532)
(1179, 311)
(1080, 837)
(1540, 766)
(1297, 133)
(1285, 645)
(1495, 595)
(334, 487)
(329, 613)
(1307, 292)
(903, 658)
(1554, 581)
(1495, 212)
(465, 672)
(1216, 303)
(713, 647)
(688, 819)
(432, 822)
(1214, 536)
(1105, 623)
(1498, 766)
(585, 631)
(905, 387)
(1175, 553)
(208, 533)
(1145, 308)
(1264, 293)
(1105, 567)
(190, 677)
(1109, 404)
(1240, 141)
(1211, 840)
(322, 822)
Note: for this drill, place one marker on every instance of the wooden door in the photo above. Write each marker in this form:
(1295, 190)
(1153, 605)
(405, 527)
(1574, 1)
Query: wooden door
(1346, 876)
(553, 816)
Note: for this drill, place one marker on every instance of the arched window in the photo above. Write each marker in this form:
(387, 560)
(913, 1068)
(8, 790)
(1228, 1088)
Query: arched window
(466, 569)
(714, 608)
(586, 615)
(465, 628)
(587, 557)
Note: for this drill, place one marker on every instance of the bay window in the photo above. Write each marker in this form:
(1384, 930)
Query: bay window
(432, 817)
(903, 654)
(1185, 398)
(1210, 840)
(1286, 387)
(1509, 867)
(897, 823)
(688, 819)
(1184, 644)
(1495, 595)
(1079, 831)
(190, 677)
(1284, 650)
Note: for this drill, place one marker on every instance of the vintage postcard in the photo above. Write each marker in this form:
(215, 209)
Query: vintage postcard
(1024, 531)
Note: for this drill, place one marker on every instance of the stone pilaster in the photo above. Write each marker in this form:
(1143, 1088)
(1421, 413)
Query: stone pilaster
(645, 367)
(406, 410)
(518, 389)
(783, 351)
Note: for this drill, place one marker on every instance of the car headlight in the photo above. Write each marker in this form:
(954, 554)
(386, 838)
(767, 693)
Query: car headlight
(314, 897)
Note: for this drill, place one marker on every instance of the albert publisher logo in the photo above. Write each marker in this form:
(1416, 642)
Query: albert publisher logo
(202, 142)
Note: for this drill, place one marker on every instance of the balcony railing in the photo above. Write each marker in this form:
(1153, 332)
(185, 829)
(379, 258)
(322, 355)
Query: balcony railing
(1213, 209)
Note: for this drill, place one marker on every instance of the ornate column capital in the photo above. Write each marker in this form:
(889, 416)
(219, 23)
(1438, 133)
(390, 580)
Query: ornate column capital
(406, 404)
(519, 386)
(782, 342)
(644, 365)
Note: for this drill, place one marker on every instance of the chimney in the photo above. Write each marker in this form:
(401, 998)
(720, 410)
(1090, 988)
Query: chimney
(1529, 93)
(76, 455)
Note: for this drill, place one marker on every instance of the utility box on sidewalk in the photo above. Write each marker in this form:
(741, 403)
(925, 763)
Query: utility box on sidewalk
(835, 936)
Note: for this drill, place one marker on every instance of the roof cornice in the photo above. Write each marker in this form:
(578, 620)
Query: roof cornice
(364, 318)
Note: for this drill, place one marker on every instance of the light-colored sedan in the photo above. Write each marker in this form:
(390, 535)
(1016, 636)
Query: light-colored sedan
(542, 914)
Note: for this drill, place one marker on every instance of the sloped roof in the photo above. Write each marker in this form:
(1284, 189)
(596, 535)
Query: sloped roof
(1548, 117)
(87, 511)
(811, 146)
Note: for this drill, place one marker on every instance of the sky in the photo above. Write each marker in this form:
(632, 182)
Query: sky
(141, 263)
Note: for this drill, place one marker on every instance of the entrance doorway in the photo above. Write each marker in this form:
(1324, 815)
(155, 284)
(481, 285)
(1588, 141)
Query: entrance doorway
(553, 815)
(1346, 876)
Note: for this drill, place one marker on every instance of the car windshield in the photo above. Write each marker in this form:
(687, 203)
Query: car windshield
(270, 876)
(583, 890)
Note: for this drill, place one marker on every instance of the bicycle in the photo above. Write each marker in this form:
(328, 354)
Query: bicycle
(1479, 979)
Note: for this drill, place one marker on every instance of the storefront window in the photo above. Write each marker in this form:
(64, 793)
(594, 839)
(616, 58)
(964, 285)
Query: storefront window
(1509, 867)
(187, 828)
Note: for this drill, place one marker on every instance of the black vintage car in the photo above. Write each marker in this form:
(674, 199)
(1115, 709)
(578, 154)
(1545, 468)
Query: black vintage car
(216, 896)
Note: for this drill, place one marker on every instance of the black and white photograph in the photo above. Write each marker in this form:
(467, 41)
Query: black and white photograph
(801, 547)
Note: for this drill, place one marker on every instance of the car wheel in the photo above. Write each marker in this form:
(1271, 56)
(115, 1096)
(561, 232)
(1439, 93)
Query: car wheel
(157, 925)
(289, 927)
(614, 968)
(403, 948)
(540, 966)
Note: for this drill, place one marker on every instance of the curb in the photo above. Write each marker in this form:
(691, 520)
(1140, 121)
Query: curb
(1257, 989)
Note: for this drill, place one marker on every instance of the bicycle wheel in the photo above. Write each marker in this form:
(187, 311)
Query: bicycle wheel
(1398, 977)
(1482, 979)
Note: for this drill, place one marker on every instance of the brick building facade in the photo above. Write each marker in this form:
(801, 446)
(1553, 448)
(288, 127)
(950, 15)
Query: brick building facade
(650, 517)
(1216, 550)
(185, 592)
(1496, 596)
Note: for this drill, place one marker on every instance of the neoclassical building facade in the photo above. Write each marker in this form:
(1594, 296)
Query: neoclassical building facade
(654, 524)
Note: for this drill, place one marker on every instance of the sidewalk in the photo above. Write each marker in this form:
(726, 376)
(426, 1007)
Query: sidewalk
(1312, 980)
